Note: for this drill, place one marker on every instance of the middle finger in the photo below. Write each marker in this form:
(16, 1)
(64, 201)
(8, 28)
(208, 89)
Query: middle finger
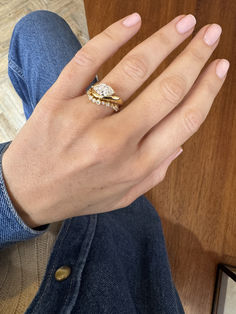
(166, 91)
(135, 68)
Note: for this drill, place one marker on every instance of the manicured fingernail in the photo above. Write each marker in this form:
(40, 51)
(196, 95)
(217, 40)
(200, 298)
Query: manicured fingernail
(176, 154)
(212, 34)
(222, 67)
(186, 23)
(131, 20)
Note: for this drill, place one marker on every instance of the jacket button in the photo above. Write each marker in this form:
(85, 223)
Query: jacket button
(62, 273)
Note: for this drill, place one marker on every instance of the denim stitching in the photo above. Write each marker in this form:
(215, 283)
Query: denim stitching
(53, 265)
(18, 71)
(14, 67)
(86, 247)
(39, 42)
(4, 146)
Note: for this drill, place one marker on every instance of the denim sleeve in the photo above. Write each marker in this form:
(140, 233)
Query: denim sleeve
(12, 227)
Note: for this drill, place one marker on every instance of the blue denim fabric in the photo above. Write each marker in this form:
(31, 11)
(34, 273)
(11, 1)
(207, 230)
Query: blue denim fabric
(118, 259)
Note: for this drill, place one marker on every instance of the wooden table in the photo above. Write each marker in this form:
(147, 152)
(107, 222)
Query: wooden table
(197, 200)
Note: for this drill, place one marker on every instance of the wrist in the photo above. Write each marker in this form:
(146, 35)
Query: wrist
(8, 177)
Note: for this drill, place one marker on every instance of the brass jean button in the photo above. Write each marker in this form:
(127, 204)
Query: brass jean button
(62, 273)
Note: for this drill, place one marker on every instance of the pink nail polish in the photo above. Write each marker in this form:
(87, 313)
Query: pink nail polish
(222, 68)
(186, 23)
(131, 20)
(174, 156)
(212, 34)
(177, 153)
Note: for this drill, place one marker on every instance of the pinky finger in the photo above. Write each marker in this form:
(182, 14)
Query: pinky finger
(154, 178)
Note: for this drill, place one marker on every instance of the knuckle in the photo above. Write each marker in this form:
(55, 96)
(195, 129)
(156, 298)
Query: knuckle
(197, 55)
(104, 148)
(84, 57)
(192, 120)
(211, 88)
(162, 38)
(109, 34)
(100, 149)
(98, 146)
(135, 67)
(101, 153)
(172, 88)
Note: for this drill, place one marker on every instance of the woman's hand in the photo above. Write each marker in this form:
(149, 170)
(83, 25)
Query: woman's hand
(73, 157)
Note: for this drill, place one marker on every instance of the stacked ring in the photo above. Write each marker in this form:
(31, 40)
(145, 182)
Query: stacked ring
(103, 94)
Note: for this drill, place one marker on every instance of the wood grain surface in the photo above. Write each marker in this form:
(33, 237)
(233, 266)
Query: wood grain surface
(197, 199)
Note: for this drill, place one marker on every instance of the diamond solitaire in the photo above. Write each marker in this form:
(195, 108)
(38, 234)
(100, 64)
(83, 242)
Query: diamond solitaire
(103, 94)
(103, 90)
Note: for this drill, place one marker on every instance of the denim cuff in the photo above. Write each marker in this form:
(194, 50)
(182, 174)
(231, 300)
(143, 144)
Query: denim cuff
(12, 227)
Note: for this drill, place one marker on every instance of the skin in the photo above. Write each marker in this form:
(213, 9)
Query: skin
(74, 158)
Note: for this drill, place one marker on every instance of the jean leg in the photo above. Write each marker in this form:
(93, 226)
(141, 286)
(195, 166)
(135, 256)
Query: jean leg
(42, 43)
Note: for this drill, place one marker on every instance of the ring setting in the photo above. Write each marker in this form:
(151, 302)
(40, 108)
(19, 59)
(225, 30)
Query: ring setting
(103, 94)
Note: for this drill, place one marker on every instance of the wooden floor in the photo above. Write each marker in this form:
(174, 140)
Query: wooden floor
(11, 110)
(197, 200)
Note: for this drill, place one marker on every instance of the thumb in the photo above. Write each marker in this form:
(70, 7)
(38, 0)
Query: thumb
(154, 178)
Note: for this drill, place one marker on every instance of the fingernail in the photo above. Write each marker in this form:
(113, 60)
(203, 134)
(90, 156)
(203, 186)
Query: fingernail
(186, 23)
(176, 154)
(222, 68)
(131, 20)
(212, 34)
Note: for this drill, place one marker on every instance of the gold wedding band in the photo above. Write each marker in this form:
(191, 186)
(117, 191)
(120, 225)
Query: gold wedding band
(103, 94)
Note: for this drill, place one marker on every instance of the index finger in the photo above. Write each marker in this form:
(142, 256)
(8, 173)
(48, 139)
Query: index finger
(81, 70)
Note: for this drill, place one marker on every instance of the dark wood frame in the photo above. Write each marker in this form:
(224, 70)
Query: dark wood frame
(222, 268)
